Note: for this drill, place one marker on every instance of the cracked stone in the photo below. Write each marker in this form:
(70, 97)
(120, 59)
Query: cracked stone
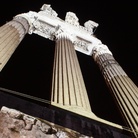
(15, 124)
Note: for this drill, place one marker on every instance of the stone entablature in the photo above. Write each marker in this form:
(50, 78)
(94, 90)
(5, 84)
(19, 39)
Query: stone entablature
(46, 23)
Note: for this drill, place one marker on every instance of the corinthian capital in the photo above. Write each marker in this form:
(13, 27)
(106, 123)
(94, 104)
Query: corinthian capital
(61, 33)
(100, 49)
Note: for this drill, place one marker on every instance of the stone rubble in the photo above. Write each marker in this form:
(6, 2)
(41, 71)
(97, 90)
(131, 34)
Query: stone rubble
(15, 124)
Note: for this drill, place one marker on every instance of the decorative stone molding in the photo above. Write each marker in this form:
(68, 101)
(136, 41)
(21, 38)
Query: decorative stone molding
(46, 22)
(71, 18)
(90, 25)
(46, 9)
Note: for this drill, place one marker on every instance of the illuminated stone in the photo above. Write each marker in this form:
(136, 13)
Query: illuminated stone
(11, 34)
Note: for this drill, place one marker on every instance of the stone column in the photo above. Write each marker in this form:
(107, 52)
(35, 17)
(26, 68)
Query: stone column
(68, 88)
(11, 35)
(124, 91)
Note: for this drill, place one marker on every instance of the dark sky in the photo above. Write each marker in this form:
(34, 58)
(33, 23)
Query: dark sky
(30, 68)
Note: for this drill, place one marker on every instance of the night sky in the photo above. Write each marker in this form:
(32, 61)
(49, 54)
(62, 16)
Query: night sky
(30, 68)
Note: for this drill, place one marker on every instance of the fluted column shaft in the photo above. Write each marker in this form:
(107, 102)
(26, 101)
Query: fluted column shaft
(68, 87)
(11, 34)
(124, 91)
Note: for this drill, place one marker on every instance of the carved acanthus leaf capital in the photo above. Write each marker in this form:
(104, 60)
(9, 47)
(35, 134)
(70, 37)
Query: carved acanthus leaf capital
(99, 50)
(61, 33)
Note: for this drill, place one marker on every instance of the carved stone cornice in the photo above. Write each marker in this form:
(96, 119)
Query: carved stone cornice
(46, 22)
(46, 9)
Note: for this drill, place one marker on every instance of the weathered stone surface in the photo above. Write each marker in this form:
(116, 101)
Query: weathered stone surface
(15, 124)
